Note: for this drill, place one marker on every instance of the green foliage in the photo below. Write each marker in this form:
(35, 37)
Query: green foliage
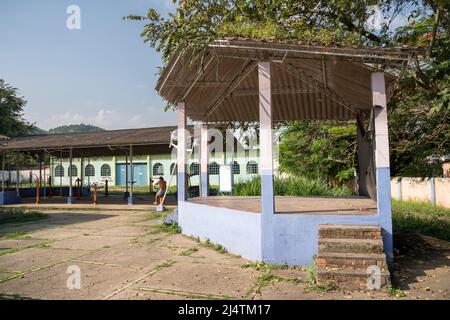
(170, 228)
(419, 113)
(19, 215)
(419, 109)
(75, 128)
(11, 112)
(319, 150)
(214, 246)
(423, 218)
(196, 23)
(395, 292)
(291, 186)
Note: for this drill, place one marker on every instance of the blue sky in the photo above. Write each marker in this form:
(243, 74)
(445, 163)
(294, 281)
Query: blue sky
(102, 74)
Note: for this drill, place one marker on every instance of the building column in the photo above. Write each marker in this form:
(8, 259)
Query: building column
(126, 176)
(17, 175)
(181, 152)
(61, 176)
(266, 162)
(130, 198)
(70, 198)
(204, 185)
(82, 174)
(3, 172)
(383, 176)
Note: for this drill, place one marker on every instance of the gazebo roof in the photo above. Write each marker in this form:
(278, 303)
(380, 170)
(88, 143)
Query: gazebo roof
(308, 82)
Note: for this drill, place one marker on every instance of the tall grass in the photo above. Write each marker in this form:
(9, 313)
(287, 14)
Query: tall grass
(291, 186)
(423, 218)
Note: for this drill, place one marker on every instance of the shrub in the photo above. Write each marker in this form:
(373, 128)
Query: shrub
(291, 186)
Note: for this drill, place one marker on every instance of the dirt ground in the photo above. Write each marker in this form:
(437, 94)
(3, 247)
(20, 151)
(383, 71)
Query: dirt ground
(125, 255)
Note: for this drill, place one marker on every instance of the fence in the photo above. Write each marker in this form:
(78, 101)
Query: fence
(433, 190)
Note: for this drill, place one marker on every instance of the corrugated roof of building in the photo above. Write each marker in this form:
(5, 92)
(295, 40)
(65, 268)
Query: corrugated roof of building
(105, 139)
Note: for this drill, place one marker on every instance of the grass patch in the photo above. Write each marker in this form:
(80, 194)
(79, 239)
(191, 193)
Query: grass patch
(166, 264)
(422, 218)
(188, 252)
(395, 292)
(261, 266)
(291, 186)
(312, 280)
(214, 246)
(170, 228)
(17, 236)
(19, 215)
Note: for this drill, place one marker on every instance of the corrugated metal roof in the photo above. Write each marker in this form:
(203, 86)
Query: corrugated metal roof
(308, 82)
(110, 138)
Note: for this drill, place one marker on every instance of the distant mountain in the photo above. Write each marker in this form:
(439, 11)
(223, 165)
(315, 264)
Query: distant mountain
(37, 130)
(68, 129)
(75, 128)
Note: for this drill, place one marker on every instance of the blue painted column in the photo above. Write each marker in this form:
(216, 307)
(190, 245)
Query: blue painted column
(130, 197)
(181, 152)
(266, 163)
(204, 187)
(383, 176)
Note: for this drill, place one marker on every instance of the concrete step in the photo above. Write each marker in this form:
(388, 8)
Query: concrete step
(349, 231)
(337, 261)
(351, 279)
(331, 245)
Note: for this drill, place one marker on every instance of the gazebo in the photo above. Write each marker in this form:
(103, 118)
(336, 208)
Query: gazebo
(241, 80)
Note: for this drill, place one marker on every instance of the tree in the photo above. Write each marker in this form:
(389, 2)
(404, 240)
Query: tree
(11, 112)
(419, 110)
(319, 150)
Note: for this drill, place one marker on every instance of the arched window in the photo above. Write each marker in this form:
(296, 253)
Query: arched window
(89, 171)
(158, 169)
(236, 167)
(105, 170)
(195, 169)
(213, 168)
(59, 171)
(72, 171)
(172, 166)
(252, 167)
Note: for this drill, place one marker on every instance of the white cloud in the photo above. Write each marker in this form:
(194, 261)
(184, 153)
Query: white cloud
(110, 119)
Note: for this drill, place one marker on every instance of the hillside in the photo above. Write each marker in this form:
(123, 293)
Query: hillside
(68, 129)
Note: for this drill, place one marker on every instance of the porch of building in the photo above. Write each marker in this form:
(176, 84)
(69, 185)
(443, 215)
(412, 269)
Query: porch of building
(319, 205)
(244, 81)
(46, 187)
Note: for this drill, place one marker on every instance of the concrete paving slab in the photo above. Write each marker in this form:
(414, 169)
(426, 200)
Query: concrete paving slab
(97, 281)
(34, 258)
(89, 242)
(130, 255)
(202, 278)
(123, 231)
(10, 244)
(56, 233)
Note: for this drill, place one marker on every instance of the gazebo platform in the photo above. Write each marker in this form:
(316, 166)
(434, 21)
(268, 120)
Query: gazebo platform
(295, 205)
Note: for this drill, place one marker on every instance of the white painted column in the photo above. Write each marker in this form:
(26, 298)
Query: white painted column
(130, 198)
(3, 172)
(70, 198)
(204, 183)
(266, 162)
(17, 175)
(382, 161)
(181, 152)
(61, 175)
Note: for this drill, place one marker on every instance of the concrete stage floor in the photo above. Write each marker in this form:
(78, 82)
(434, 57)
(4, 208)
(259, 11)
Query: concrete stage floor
(304, 205)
